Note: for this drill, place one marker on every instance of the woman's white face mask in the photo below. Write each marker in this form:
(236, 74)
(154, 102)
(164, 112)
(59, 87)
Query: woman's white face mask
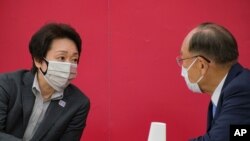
(59, 74)
(194, 87)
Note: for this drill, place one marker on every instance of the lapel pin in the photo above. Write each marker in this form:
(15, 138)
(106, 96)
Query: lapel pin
(62, 103)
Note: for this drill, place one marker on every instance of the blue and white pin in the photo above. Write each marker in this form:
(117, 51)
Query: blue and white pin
(62, 103)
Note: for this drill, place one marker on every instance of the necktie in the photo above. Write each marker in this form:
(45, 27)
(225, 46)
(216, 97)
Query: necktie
(214, 109)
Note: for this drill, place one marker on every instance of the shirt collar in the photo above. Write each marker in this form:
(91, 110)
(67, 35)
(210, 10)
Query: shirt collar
(36, 90)
(35, 87)
(216, 94)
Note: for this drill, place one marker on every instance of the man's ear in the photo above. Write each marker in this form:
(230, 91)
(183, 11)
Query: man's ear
(203, 65)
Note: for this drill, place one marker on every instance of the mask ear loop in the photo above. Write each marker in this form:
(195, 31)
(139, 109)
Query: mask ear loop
(47, 63)
(191, 64)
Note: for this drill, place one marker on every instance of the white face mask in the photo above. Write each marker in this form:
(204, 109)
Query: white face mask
(194, 87)
(59, 74)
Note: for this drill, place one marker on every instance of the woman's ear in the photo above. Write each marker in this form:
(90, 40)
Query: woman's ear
(37, 62)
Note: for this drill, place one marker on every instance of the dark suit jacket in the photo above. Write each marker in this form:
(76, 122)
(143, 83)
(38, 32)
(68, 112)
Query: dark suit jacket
(233, 106)
(16, 104)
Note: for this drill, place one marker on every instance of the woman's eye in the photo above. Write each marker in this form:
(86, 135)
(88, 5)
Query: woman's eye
(75, 60)
(61, 58)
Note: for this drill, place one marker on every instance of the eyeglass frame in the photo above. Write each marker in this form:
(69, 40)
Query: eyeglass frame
(178, 59)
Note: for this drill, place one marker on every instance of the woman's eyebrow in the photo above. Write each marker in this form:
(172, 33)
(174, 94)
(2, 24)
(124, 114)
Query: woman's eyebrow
(66, 52)
(62, 51)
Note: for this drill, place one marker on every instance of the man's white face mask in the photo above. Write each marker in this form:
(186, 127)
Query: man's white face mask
(59, 74)
(194, 87)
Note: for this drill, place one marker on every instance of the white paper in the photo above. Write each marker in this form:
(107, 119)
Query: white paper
(157, 131)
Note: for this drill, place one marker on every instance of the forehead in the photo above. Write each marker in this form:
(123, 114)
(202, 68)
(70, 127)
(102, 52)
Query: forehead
(185, 44)
(63, 44)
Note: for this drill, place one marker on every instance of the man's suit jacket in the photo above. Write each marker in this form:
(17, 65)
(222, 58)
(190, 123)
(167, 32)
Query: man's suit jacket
(233, 106)
(64, 123)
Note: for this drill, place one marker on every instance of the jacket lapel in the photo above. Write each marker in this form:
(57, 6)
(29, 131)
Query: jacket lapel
(234, 71)
(53, 112)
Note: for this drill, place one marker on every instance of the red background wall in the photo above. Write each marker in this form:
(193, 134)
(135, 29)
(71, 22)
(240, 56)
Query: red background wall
(128, 66)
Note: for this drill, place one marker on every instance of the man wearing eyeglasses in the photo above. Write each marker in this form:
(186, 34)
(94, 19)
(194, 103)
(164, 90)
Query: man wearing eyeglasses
(209, 61)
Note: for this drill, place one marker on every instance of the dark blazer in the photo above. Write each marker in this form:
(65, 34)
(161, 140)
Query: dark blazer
(59, 123)
(233, 106)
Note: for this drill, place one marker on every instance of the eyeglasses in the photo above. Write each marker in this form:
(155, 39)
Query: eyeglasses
(179, 60)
